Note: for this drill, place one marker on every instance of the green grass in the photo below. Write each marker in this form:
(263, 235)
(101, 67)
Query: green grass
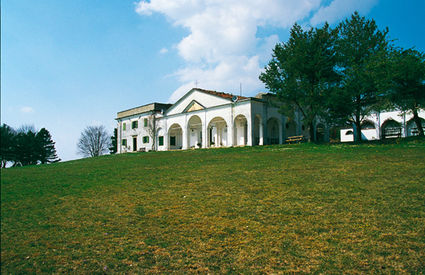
(271, 209)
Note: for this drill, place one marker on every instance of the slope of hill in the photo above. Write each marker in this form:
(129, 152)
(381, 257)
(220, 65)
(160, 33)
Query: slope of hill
(308, 208)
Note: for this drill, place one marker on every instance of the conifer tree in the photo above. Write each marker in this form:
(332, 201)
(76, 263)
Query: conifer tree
(46, 152)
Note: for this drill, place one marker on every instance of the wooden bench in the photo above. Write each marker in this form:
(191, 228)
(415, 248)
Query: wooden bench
(295, 139)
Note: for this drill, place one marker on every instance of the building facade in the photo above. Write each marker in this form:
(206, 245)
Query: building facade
(385, 125)
(203, 119)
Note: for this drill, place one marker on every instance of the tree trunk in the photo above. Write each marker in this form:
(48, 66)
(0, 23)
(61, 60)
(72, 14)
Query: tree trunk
(418, 122)
(357, 122)
(358, 136)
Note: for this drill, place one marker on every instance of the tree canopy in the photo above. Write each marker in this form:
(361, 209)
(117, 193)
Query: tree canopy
(362, 54)
(94, 141)
(26, 146)
(303, 70)
(407, 91)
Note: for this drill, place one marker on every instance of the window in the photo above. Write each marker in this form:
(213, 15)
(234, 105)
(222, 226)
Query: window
(161, 140)
(134, 124)
(145, 122)
(124, 126)
(173, 141)
(145, 139)
(124, 142)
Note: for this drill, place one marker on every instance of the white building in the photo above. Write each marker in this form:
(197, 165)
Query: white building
(385, 125)
(202, 119)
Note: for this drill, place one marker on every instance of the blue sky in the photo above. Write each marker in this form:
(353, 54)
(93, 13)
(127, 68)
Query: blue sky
(66, 65)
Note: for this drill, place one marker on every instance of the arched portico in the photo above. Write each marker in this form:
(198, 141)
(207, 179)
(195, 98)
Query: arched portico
(194, 132)
(217, 133)
(412, 129)
(175, 137)
(240, 130)
(390, 129)
(274, 133)
(258, 130)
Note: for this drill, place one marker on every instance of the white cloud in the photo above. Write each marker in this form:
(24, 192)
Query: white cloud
(222, 48)
(163, 51)
(339, 9)
(26, 110)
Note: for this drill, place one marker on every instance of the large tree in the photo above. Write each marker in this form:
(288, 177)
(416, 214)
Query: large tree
(45, 146)
(94, 141)
(362, 53)
(25, 146)
(302, 71)
(7, 143)
(407, 91)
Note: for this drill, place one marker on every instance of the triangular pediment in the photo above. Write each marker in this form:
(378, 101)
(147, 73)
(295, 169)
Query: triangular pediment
(193, 106)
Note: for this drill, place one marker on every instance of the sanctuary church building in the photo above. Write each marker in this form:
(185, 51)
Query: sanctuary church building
(203, 119)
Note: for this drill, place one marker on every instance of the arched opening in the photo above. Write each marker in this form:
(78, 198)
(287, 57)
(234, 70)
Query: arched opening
(175, 137)
(217, 132)
(290, 128)
(391, 129)
(412, 129)
(368, 125)
(258, 130)
(194, 132)
(272, 131)
(320, 132)
(241, 129)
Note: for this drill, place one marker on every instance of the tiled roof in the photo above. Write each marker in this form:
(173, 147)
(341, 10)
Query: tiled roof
(220, 94)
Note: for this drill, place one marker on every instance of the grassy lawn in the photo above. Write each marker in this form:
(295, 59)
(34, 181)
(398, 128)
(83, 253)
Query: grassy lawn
(272, 209)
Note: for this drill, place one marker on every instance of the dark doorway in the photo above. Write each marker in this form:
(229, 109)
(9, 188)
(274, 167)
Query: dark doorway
(134, 144)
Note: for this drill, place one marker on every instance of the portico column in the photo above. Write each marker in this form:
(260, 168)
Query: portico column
(230, 134)
(249, 131)
(166, 141)
(280, 133)
(261, 134)
(185, 138)
(204, 135)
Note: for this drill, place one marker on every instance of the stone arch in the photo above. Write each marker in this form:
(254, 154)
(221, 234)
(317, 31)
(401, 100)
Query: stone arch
(273, 131)
(391, 129)
(194, 132)
(258, 130)
(217, 132)
(175, 136)
(412, 129)
(240, 130)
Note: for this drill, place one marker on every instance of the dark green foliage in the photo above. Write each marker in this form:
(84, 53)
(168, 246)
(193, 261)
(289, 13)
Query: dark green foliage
(362, 52)
(26, 146)
(7, 144)
(407, 90)
(46, 152)
(114, 138)
(303, 70)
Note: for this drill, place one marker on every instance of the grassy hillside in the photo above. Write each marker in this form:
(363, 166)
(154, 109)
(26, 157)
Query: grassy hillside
(360, 208)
